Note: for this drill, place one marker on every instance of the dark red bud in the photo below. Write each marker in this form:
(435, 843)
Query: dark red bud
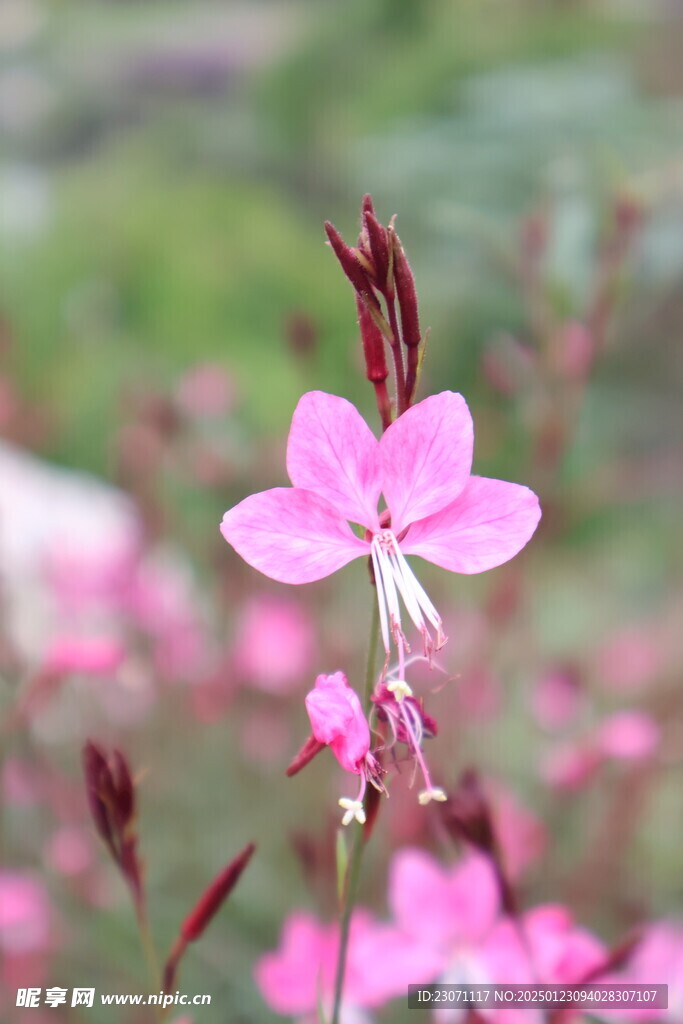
(96, 774)
(124, 789)
(213, 898)
(366, 206)
(351, 265)
(467, 814)
(311, 747)
(373, 344)
(407, 296)
(378, 241)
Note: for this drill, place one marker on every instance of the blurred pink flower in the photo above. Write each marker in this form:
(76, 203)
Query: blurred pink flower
(571, 766)
(556, 700)
(657, 960)
(164, 603)
(436, 509)
(299, 976)
(70, 850)
(449, 911)
(628, 736)
(83, 655)
(545, 947)
(522, 837)
(275, 644)
(630, 658)
(24, 914)
(623, 736)
(206, 390)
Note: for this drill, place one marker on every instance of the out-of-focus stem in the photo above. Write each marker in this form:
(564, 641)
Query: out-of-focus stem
(148, 951)
(354, 865)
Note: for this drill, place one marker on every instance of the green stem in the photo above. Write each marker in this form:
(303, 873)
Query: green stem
(149, 953)
(354, 865)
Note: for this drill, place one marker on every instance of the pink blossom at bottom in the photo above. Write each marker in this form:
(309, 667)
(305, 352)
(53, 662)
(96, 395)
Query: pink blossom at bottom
(545, 946)
(657, 960)
(300, 974)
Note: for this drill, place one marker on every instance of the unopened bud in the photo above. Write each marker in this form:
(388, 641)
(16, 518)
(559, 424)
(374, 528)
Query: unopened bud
(351, 265)
(378, 242)
(213, 898)
(407, 296)
(373, 344)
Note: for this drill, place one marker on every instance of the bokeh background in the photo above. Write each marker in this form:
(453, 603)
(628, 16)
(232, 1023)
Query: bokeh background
(165, 298)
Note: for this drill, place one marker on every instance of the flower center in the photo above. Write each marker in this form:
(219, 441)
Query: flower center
(394, 577)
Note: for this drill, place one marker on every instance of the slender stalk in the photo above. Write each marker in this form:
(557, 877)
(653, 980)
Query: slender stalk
(354, 865)
(149, 953)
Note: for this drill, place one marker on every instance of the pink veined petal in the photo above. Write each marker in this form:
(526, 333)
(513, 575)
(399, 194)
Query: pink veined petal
(487, 525)
(332, 452)
(289, 976)
(337, 719)
(426, 458)
(443, 906)
(291, 535)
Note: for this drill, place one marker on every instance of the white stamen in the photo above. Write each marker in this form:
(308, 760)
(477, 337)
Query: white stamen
(427, 795)
(353, 809)
(393, 576)
(400, 689)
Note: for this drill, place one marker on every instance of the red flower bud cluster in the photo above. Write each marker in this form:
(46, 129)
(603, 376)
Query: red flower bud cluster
(380, 273)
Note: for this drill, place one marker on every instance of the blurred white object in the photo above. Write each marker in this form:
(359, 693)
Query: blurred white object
(67, 542)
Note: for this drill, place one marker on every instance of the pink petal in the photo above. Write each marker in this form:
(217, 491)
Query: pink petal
(443, 906)
(290, 976)
(332, 452)
(337, 719)
(487, 525)
(291, 535)
(426, 458)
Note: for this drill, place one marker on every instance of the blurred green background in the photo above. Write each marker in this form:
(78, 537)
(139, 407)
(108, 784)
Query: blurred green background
(165, 169)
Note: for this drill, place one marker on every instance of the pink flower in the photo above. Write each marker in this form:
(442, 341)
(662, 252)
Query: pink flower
(435, 508)
(449, 911)
(545, 947)
(337, 720)
(299, 976)
(628, 736)
(279, 665)
(24, 914)
(623, 736)
(657, 960)
(84, 655)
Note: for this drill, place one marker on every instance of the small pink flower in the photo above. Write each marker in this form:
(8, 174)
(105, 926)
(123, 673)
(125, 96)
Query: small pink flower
(299, 977)
(206, 390)
(435, 508)
(450, 911)
(628, 736)
(84, 655)
(24, 914)
(545, 947)
(657, 960)
(337, 720)
(278, 665)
